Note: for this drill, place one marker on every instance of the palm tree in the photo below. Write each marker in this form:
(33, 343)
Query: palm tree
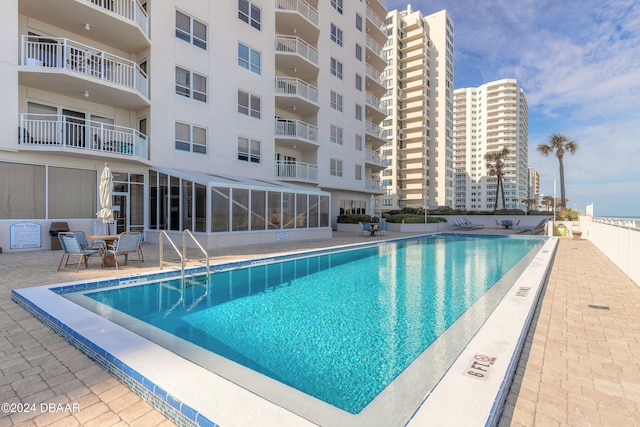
(495, 165)
(559, 144)
(548, 202)
(530, 202)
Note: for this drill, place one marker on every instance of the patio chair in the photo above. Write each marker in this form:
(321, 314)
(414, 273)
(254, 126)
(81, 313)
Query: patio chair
(533, 229)
(470, 226)
(455, 224)
(382, 229)
(365, 229)
(73, 244)
(126, 244)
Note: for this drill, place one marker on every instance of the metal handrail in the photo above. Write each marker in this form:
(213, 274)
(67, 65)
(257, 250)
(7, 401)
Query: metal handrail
(186, 232)
(182, 254)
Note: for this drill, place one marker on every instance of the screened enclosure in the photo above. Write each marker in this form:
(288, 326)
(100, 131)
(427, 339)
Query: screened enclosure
(209, 203)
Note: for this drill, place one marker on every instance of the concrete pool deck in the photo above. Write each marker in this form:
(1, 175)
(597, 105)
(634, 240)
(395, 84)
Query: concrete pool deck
(568, 338)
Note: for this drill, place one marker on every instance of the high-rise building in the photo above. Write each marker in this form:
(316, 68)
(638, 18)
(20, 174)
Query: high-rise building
(534, 187)
(487, 119)
(242, 121)
(419, 101)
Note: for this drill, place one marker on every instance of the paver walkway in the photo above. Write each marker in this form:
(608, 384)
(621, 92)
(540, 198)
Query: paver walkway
(581, 365)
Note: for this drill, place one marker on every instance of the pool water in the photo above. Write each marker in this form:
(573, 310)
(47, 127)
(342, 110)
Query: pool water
(337, 326)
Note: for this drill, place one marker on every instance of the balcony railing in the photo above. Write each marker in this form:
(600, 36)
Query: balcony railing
(52, 52)
(374, 74)
(373, 129)
(296, 128)
(374, 46)
(294, 86)
(129, 9)
(47, 130)
(374, 102)
(296, 45)
(296, 171)
(302, 7)
(373, 185)
(375, 157)
(375, 19)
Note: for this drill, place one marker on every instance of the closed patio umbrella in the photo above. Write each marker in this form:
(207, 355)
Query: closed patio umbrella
(106, 193)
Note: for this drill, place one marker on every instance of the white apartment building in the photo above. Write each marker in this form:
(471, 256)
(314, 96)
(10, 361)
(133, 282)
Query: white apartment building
(244, 121)
(487, 119)
(419, 101)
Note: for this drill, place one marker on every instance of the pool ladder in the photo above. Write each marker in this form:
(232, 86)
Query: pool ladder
(182, 254)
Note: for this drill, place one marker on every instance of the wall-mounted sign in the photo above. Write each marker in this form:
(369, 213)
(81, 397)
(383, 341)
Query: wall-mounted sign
(25, 235)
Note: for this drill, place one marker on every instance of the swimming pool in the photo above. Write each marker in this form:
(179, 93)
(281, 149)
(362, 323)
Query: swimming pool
(313, 318)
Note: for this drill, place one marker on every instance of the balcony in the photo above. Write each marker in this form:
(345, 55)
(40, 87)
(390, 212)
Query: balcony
(63, 66)
(295, 133)
(295, 94)
(375, 26)
(375, 160)
(297, 17)
(374, 186)
(375, 135)
(374, 54)
(296, 171)
(374, 111)
(120, 23)
(71, 135)
(374, 82)
(379, 7)
(294, 55)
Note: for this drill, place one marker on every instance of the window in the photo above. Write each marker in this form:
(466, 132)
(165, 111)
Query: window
(248, 58)
(336, 101)
(191, 138)
(336, 68)
(335, 167)
(358, 172)
(249, 104)
(249, 13)
(358, 22)
(191, 85)
(248, 150)
(359, 142)
(358, 52)
(359, 82)
(191, 30)
(337, 5)
(358, 112)
(336, 135)
(336, 35)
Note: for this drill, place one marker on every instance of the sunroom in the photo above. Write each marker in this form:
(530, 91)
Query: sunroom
(222, 211)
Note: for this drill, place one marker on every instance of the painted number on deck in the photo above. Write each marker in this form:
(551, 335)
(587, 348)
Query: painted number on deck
(480, 366)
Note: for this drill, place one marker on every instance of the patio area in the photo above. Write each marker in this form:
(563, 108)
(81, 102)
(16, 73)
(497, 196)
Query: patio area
(580, 365)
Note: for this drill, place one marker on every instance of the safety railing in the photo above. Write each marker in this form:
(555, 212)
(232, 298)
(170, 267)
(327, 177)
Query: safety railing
(300, 6)
(67, 131)
(62, 53)
(182, 254)
(619, 240)
(297, 87)
(287, 44)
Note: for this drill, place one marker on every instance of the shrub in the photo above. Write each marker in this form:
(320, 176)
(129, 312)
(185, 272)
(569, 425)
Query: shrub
(413, 219)
(355, 218)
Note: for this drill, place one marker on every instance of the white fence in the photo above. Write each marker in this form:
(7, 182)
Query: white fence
(619, 240)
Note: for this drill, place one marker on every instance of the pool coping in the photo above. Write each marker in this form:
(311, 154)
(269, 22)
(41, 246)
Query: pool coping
(102, 346)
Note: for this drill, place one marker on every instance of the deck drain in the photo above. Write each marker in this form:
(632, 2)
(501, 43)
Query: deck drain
(599, 307)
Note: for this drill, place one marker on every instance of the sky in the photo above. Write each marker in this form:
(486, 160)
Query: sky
(578, 62)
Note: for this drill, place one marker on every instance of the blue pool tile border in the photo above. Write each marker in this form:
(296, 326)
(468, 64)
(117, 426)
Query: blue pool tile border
(177, 411)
